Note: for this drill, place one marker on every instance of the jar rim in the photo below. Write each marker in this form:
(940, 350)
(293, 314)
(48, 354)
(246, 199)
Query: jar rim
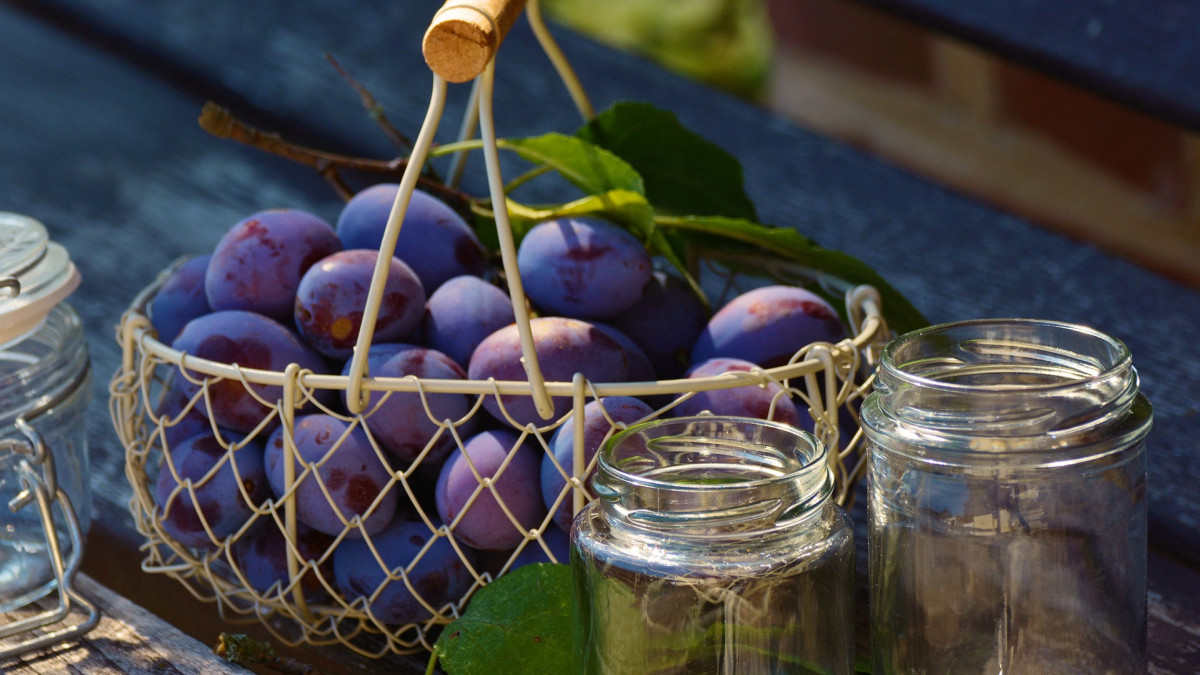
(814, 458)
(1121, 358)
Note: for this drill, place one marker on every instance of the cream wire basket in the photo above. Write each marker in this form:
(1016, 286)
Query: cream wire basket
(826, 380)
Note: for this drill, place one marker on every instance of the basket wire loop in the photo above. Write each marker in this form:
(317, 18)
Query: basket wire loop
(287, 415)
(533, 11)
(355, 396)
(508, 249)
(578, 456)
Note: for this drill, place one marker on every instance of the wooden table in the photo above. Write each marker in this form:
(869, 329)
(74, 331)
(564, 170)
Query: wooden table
(128, 639)
(98, 140)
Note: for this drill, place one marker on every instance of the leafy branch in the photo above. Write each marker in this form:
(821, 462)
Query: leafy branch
(635, 165)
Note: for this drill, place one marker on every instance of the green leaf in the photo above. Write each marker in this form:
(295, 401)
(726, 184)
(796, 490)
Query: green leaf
(683, 172)
(521, 623)
(585, 165)
(624, 207)
(724, 235)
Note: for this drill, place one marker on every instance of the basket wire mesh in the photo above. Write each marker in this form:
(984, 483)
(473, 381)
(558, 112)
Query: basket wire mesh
(827, 380)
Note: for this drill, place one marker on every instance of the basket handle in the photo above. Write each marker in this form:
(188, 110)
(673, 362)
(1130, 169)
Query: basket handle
(465, 35)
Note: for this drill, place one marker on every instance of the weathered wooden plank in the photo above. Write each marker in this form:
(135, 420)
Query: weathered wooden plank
(128, 640)
(114, 163)
(1174, 601)
(112, 160)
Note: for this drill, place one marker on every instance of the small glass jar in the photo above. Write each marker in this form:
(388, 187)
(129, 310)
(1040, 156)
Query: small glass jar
(45, 387)
(1007, 502)
(713, 547)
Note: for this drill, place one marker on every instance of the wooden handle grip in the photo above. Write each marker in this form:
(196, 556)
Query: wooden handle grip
(465, 35)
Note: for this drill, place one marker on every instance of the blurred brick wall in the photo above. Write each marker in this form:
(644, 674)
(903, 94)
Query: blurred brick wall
(904, 76)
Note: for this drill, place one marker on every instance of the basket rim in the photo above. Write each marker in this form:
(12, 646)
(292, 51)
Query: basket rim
(135, 327)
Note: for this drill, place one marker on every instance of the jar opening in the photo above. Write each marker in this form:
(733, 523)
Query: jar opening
(1002, 386)
(710, 453)
(713, 475)
(997, 356)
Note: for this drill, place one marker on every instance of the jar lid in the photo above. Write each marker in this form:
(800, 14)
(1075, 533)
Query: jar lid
(35, 275)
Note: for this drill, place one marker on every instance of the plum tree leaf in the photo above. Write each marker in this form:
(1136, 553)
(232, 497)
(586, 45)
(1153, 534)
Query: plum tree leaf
(731, 234)
(683, 172)
(521, 623)
(585, 165)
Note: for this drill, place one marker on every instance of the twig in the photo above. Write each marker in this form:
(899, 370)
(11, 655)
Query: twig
(374, 109)
(246, 651)
(221, 123)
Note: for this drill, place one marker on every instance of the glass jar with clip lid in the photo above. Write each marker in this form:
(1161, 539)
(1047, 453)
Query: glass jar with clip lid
(45, 378)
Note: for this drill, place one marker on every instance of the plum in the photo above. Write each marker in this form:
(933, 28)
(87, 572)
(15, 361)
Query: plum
(557, 540)
(258, 264)
(401, 423)
(248, 340)
(665, 322)
(461, 313)
(563, 346)
(439, 577)
(483, 524)
(179, 426)
(227, 484)
(262, 557)
(768, 326)
(332, 295)
(434, 240)
(584, 268)
(751, 400)
(640, 368)
(180, 299)
(344, 465)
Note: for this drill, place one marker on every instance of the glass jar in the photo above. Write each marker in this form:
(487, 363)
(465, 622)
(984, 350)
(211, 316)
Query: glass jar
(1007, 501)
(45, 387)
(713, 547)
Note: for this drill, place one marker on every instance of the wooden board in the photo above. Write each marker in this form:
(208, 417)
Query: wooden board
(1174, 606)
(128, 639)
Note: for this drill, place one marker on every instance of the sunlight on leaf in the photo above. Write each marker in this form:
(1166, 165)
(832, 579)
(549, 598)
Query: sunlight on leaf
(521, 623)
(587, 166)
(683, 172)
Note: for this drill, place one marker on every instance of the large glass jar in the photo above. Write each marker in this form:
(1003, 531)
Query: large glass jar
(713, 547)
(44, 390)
(1007, 502)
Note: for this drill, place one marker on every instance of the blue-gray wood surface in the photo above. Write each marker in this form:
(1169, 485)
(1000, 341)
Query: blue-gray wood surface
(98, 139)
(1144, 54)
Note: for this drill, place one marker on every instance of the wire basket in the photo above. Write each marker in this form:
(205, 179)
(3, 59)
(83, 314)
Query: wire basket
(308, 605)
